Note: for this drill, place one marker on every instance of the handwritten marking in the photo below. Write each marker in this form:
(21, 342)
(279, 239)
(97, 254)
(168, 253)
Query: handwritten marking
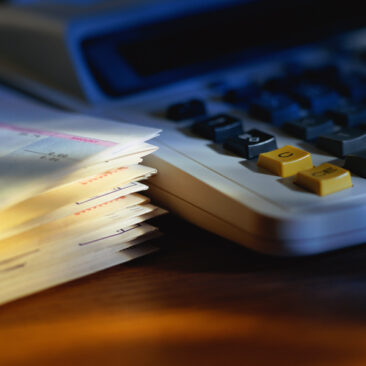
(11, 259)
(50, 155)
(120, 232)
(35, 152)
(18, 266)
(108, 193)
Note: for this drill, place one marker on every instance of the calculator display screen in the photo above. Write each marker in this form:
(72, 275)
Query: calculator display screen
(168, 50)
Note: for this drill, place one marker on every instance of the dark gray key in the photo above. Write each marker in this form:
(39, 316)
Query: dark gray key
(242, 94)
(250, 144)
(316, 98)
(343, 142)
(349, 116)
(353, 87)
(309, 127)
(219, 127)
(186, 110)
(274, 108)
(322, 74)
(356, 163)
(282, 84)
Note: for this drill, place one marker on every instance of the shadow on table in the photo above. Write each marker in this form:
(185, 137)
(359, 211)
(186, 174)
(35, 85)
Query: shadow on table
(207, 271)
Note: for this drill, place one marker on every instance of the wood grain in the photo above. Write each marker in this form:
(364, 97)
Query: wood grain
(200, 300)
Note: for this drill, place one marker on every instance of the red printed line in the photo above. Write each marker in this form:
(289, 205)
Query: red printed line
(98, 206)
(57, 134)
(102, 176)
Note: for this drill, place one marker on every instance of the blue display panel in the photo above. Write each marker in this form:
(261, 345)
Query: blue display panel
(170, 49)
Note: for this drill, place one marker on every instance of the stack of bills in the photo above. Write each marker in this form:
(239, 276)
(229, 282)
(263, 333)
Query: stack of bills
(70, 195)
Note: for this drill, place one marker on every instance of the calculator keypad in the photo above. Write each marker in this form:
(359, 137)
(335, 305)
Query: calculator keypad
(321, 105)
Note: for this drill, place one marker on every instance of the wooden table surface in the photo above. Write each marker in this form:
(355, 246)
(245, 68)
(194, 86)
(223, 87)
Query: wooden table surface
(200, 300)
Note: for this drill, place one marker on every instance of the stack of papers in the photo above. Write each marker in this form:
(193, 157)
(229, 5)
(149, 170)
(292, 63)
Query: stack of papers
(70, 195)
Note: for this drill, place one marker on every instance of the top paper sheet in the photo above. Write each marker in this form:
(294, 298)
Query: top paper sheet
(39, 146)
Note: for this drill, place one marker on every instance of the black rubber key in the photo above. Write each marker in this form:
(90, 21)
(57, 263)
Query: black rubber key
(274, 108)
(343, 142)
(186, 110)
(282, 84)
(250, 144)
(219, 127)
(348, 116)
(242, 94)
(356, 163)
(316, 98)
(294, 69)
(309, 127)
(323, 74)
(353, 87)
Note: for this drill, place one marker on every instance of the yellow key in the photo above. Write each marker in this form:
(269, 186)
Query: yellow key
(286, 161)
(324, 179)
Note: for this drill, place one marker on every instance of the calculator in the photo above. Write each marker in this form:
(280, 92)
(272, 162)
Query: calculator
(262, 105)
